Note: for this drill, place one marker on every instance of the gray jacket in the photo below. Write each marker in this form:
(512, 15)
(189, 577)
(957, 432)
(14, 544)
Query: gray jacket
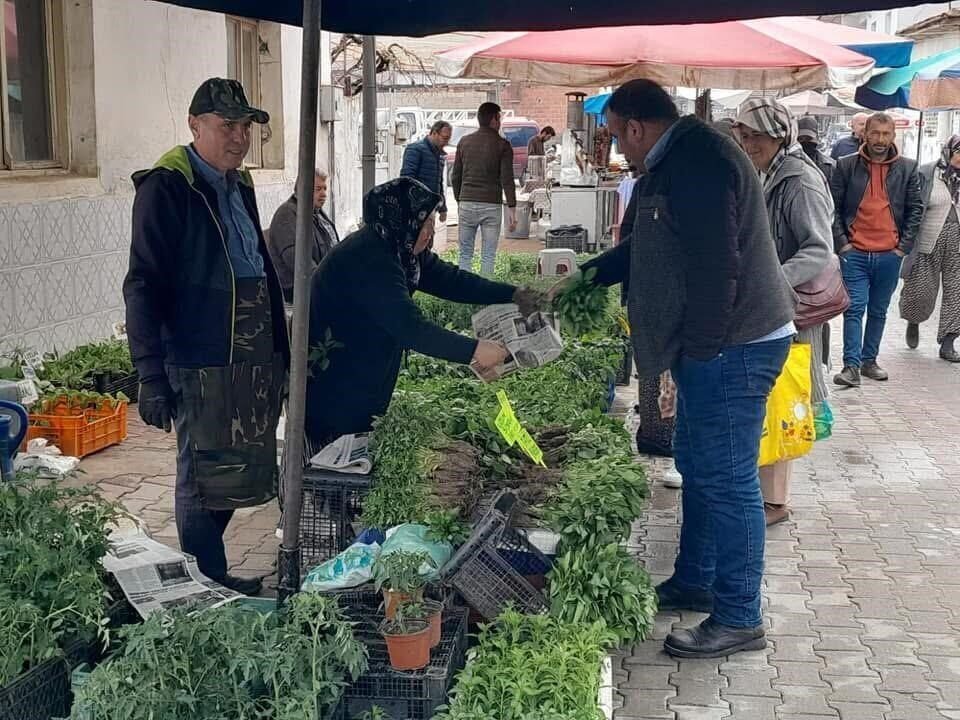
(281, 241)
(801, 219)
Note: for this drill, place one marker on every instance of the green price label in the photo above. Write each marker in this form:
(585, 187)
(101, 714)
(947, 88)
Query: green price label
(514, 433)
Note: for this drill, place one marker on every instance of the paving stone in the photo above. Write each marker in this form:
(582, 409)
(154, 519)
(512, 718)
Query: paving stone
(688, 712)
(888, 653)
(950, 694)
(854, 690)
(847, 664)
(930, 622)
(743, 707)
(648, 653)
(882, 608)
(830, 617)
(648, 677)
(795, 649)
(804, 674)
(932, 644)
(943, 669)
(752, 683)
(696, 687)
(805, 701)
(646, 704)
(796, 624)
(903, 679)
(912, 707)
(859, 711)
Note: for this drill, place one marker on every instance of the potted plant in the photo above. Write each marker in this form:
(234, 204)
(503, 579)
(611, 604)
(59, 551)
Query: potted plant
(398, 576)
(407, 637)
(432, 612)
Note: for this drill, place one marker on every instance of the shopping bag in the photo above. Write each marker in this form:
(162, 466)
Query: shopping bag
(788, 429)
(823, 420)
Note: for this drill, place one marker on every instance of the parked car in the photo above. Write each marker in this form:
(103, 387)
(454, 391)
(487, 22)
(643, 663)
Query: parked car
(517, 130)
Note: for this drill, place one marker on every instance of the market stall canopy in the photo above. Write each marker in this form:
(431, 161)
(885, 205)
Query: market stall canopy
(727, 99)
(931, 83)
(751, 54)
(427, 17)
(810, 102)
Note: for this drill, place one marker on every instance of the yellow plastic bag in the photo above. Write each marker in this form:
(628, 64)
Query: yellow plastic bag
(788, 429)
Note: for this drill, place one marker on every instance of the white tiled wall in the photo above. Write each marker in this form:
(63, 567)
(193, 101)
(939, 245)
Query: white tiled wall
(62, 264)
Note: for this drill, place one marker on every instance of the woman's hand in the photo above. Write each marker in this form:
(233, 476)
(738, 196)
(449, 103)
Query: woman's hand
(488, 355)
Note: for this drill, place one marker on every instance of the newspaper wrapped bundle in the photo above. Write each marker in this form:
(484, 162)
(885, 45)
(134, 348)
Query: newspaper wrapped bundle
(531, 340)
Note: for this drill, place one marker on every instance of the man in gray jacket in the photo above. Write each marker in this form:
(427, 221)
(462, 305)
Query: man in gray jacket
(709, 302)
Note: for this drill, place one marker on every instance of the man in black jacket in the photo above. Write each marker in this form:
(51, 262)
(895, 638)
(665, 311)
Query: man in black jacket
(205, 321)
(879, 207)
(709, 302)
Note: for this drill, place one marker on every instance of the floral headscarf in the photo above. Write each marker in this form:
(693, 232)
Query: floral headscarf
(397, 211)
(949, 174)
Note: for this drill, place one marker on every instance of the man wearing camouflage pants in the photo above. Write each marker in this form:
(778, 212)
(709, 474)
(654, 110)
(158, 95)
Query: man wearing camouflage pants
(206, 326)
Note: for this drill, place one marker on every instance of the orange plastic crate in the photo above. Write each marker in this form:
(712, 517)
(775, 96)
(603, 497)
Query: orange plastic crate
(80, 434)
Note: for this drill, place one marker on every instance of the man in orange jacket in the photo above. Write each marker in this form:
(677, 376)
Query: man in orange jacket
(878, 212)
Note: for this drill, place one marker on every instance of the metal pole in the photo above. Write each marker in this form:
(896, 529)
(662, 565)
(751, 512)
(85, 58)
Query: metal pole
(919, 136)
(368, 156)
(288, 560)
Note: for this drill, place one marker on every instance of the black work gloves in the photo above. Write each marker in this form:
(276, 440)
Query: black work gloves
(156, 404)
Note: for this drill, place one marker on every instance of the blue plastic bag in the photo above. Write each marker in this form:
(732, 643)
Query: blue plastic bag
(823, 420)
(352, 567)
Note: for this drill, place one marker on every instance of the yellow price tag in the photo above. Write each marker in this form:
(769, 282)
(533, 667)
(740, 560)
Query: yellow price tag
(509, 426)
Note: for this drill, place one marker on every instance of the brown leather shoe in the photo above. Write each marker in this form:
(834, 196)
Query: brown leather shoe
(775, 514)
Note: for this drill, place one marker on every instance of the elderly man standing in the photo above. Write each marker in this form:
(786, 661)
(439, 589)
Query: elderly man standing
(709, 302)
(879, 208)
(282, 238)
(205, 321)
(850, 144)
(426, 160)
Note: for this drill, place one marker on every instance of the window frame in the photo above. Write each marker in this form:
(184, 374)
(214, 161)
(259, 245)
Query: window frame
(56, 89)
(235, 26)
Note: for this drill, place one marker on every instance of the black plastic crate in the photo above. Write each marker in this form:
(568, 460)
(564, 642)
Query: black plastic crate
(411, 695)
(111, 384)
(488, 570)
(41, 693)
(570, 237)
(332, 502)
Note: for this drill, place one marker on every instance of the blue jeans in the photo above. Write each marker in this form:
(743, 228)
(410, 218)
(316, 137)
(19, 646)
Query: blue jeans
(488, 218)
(871, 279)
(721, 404)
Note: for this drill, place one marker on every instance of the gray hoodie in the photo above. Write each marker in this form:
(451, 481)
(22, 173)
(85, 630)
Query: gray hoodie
(800, 208)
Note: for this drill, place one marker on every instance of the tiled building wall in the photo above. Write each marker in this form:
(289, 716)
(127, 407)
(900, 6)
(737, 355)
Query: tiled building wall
(62, 264)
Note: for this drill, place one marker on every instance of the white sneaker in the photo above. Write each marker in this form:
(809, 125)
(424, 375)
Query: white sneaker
(672, 478)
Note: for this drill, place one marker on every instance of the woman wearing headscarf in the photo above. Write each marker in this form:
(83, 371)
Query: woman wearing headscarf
(800, 209)
(936, 256)
(363, 317)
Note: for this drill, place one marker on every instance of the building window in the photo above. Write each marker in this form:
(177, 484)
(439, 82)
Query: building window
(253, 58)
(31, 60)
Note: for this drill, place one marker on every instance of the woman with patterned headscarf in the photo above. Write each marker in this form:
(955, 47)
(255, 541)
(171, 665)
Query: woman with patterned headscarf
(936, 256)
(363, 317)
(800, 209)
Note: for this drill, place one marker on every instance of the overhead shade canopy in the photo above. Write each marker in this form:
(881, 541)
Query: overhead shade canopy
(931, 83)
(765, 54)
(887, 51)
(428, 17)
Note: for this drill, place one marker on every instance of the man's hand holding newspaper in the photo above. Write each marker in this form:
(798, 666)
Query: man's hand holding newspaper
(487, 357)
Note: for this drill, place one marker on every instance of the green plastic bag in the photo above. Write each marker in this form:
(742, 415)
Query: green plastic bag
(823, 420)
(413, 538)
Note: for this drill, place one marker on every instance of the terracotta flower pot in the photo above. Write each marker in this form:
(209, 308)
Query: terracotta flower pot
(392, 600)
(435, 618)
(409, 651)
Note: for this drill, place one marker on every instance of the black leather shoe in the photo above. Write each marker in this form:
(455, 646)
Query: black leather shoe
(244, 586)
(874, 372)
(848, 377)
(671, 597)
(710, 639)
(913, 336)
